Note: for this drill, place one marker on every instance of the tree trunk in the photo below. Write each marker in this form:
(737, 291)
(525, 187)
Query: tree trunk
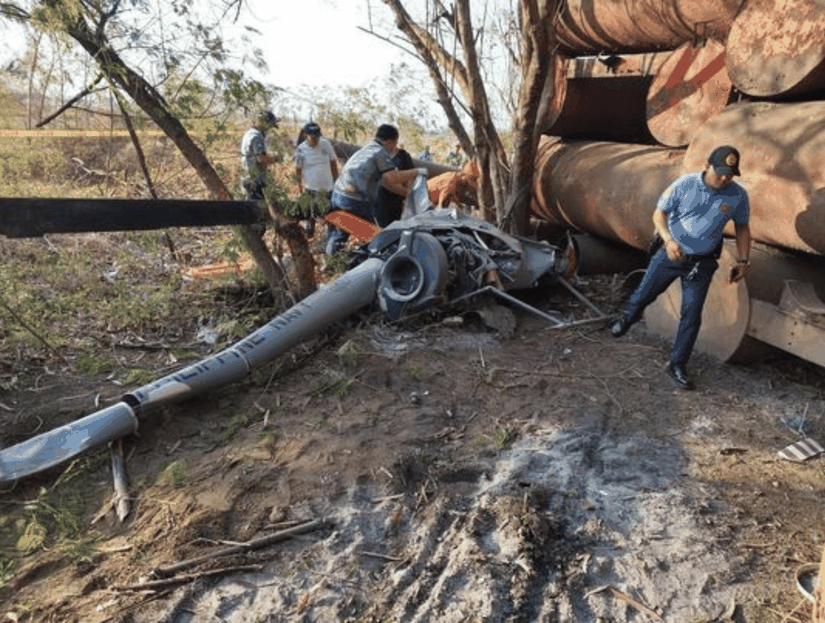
(152, 103)
(537, 87)
(292, 232)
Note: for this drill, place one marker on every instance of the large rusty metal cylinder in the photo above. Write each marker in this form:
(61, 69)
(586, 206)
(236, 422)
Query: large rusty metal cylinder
(599, 98)
(628, 26)
(781, 147)
(603, 109)
(610, 190)
(691, 86)
(605, 189)
(776, 48)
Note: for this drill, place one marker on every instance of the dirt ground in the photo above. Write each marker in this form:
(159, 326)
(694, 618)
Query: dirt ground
(473, 466)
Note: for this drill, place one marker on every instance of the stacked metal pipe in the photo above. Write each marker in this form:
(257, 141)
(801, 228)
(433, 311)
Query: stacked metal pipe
(665, 81)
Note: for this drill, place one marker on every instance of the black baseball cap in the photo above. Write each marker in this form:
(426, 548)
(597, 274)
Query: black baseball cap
(725, 160)
(312, 128)
(267, 118)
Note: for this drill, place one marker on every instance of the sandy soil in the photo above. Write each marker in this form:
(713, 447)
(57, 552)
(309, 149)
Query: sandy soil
(480, 466)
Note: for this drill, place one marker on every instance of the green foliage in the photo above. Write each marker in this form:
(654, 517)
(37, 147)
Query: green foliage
(418, 373)
(175, 474)
(349, 354)
(55, 516)
(93, 363)
(8, 567)
(230, 431)
(349, 124)
(330, 383)
(504, 437)
(137, 377)
(241, 92)
(338, 263)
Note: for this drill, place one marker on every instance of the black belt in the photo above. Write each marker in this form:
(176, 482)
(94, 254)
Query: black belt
(699, 258)
(715, 254)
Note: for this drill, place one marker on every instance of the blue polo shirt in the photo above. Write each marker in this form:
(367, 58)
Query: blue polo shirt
(697, 213)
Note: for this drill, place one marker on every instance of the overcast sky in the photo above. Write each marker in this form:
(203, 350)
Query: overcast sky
(318, 42)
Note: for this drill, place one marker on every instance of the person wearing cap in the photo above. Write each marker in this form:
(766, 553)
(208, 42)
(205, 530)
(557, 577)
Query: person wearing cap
(689, 219)
(316, 168)
(367, 170)
(254, 156)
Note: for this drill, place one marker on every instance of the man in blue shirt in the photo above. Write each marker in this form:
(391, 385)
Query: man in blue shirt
(366, 171)
(689, 219)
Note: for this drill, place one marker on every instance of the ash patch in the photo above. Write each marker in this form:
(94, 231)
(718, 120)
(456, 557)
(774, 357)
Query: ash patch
(539, 536)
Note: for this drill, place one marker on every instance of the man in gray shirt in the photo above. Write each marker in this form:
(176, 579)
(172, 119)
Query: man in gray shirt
(254, 156)
(367, 170)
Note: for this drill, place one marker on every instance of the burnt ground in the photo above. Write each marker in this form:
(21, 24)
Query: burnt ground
(477, 466)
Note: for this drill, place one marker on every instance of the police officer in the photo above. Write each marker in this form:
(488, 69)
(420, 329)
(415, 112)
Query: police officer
(690, 217)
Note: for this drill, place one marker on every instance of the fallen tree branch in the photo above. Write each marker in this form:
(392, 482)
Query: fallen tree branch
(181, 579)
(263, 541)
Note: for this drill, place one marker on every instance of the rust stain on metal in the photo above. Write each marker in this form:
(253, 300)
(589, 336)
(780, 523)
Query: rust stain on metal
(597, 26)
(690, 88)
(776, 48)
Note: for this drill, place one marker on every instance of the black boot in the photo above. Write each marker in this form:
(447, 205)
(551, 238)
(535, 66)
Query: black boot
(619, 328)
(679, 376)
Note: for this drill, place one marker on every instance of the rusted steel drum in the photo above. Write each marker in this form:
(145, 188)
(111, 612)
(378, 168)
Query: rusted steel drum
(597, 256)
(691, 87)
(598, 26)
(781, 147)
(605, 189)
(601, 99)
(608, 109)
(776, 48)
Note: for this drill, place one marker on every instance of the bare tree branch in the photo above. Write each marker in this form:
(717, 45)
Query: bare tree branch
(86, 91)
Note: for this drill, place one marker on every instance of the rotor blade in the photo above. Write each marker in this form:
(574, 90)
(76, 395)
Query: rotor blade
(30, 217)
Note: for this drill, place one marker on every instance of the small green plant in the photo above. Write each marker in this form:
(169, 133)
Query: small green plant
(56, 516)
(79, 549)
(418, 373)
(339, 262)
(184, 354)
(235, 424)
(504, 437)
(349, 354)
(136, 377)
(8, 567)
(93, 363)
(175, 474)
(331, 383)
(268, 441)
